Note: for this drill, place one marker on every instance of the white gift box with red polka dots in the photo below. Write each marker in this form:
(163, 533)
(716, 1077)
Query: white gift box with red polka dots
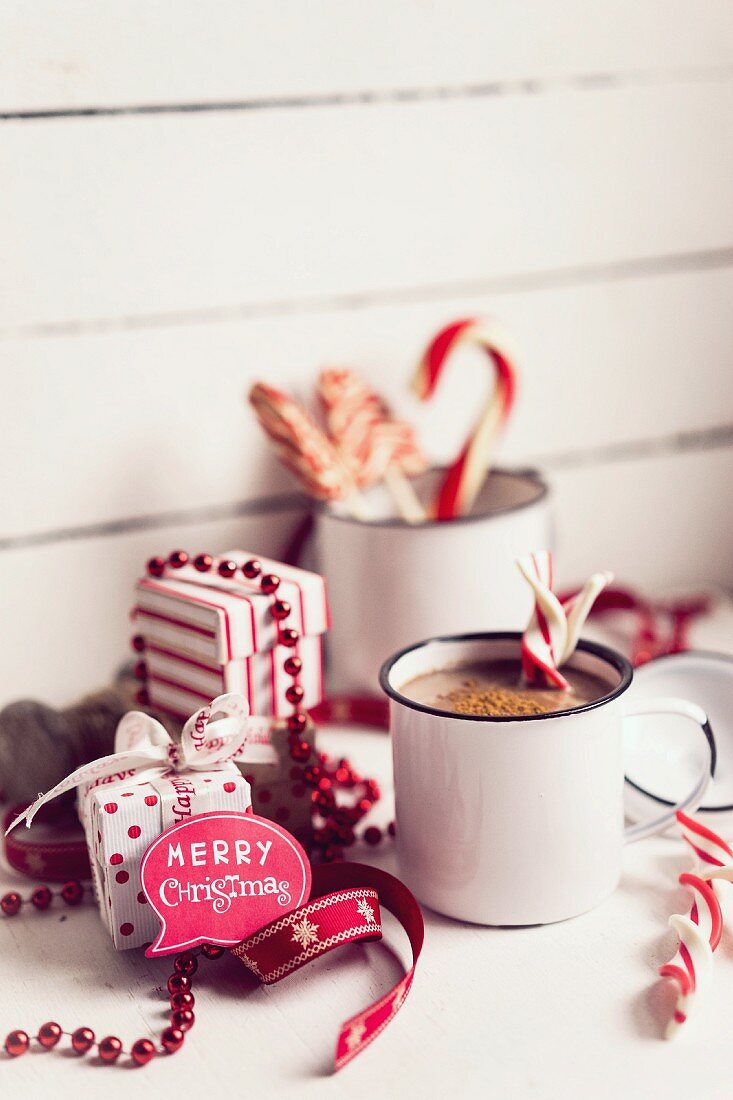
(202, 635)
(122, 817)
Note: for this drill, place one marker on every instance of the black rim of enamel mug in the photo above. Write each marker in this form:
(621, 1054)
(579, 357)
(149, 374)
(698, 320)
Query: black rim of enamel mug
(530, 475)
(605, 653)
(724, 807)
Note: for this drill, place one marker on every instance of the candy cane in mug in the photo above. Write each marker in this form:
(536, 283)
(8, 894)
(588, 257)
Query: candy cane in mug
(303, 448)
(465, 477)
(374, 445)
(553, 631)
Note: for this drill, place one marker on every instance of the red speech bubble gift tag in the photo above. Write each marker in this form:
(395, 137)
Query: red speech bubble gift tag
(219, 877)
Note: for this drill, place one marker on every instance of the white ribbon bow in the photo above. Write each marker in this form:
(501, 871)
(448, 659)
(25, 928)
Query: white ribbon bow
(145, 750)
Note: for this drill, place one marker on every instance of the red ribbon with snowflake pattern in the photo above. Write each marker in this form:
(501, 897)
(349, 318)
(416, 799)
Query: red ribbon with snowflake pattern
(343, 908)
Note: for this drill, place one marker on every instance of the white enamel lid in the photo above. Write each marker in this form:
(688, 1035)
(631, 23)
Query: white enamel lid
(664, 754)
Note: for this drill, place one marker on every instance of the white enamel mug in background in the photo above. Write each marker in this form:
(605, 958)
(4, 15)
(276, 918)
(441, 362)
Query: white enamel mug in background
(516, 821)
(390, 582)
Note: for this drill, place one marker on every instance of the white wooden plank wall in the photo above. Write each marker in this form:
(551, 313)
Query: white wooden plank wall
(193, 196)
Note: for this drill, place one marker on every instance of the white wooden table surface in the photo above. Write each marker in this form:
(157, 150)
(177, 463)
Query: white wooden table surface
(572, 1010)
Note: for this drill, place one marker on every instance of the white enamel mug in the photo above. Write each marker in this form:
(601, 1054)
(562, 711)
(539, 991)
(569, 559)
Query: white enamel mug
(390, 582)
(516, 821)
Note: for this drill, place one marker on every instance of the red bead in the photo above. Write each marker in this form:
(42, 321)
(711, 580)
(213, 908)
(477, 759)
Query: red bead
(184, 999)
(142, 697)
(11, 903)
(16, 1043)
(72, 892)
(179, 983)
(289, 637)
(186, 964)
(49, 1034)
(270, 583)
(212, 950)
(332, 853)
(82, 1040)
(252, 569)
(324, 783)
(297, 723)
(280, 610)
(227, 568)
(183, 1019)
(344, 834)
(171, 1039)
(293, 666)
(41, 897)
(140, 671)
(178, 559)
(142, 1051)
(138, 643)
(372, 835)
(109, 1048)
(364, 805)
(156, 567)
(294, 694)
(324, 801)
(203, 562)
(392, 829)
(342, 776)
(300, 752)
(312, 775)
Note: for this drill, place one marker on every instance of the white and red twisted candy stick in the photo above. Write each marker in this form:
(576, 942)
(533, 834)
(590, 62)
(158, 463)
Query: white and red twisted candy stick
(701, 930)
(465, 477)
(303, 447)
(375, 446)
(699, 934)
(553, 631)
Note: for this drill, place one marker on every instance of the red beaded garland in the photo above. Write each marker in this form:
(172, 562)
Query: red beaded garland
(109, 1048)
(294, 694)
(156, 567)
(82, 1040)
(49, 1034)
(179, 983)
(293, 665)
(297, 722)
(203, 562)
(142, 697)
(16, 1043)
(186, 964)
(184, 999)
(171, 1039)
(227, 568)
(138, 643)
(372, 835)
(212, 950)
(289, 637)
(72, 892)
(280, 610)
(41, 897)
(270, 583)
(178, 559)
(11, 903)
(252, 569)
(140, 671)
(142, 1051)
(183, 1019)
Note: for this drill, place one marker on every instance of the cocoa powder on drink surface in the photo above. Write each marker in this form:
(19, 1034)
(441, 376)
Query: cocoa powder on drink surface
(498, 701)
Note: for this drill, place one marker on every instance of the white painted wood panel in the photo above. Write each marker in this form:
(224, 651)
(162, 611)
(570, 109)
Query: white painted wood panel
(138, 422)
(78, 55)
(134, 216)
(656, 522)
(65, 606)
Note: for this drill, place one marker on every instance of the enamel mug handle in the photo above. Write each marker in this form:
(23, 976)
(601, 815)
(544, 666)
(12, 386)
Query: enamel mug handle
(670, 705)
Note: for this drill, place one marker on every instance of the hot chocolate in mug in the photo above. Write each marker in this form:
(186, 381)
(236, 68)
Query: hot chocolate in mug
(518, 820)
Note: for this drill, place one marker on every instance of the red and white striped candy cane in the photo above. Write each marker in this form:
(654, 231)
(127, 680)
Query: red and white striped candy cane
(373, 445)
(465, 477)
(553, 631)
(699, 933)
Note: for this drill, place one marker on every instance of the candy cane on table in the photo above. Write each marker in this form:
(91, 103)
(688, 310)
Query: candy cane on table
(553, 631)
(304, 449)
(699, 933)
(464, 479)
(375, 446)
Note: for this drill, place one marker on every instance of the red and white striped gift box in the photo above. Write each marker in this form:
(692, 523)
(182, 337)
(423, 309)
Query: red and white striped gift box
(203, 635)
